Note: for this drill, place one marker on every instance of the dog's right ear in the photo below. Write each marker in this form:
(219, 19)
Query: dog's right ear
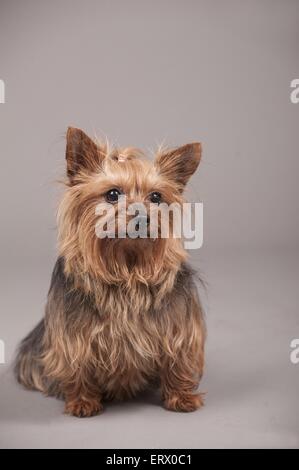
(82, 154)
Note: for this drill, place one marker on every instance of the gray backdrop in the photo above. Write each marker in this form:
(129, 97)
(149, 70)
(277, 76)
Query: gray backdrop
(142, 72)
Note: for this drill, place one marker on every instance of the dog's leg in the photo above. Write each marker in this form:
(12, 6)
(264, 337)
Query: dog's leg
(182, 365)
(77, 381)
(81, 402)
(68, 357)
(179, 381)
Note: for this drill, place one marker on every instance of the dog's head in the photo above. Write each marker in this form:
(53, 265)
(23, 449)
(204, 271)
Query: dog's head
(111, 214)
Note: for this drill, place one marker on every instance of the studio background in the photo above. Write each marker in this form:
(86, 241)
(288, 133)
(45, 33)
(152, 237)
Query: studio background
(143, 72)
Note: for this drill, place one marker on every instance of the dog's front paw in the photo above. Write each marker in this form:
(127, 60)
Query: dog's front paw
(183, 402)
(83, 408)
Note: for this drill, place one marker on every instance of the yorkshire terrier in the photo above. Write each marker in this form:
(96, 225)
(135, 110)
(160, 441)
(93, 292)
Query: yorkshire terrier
(122, 313)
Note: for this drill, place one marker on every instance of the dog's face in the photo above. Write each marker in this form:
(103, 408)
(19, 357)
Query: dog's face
(119, 191)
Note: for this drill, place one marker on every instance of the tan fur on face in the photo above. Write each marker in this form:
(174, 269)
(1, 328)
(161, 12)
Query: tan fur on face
(108, 259)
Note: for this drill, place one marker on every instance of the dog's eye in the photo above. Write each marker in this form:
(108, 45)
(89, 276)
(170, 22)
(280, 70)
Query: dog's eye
(155, 197)
(113, 195)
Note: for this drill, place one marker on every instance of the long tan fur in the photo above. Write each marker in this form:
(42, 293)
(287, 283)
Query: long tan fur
(121, 314)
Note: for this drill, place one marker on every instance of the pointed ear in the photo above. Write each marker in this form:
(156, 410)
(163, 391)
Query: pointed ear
(179, 164)
(82, 154)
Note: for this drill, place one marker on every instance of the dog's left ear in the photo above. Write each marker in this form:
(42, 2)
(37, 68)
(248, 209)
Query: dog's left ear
(179, 164)
(82, 154)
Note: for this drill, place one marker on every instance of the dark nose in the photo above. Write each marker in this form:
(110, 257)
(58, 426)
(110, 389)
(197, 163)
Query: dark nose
(142, 221)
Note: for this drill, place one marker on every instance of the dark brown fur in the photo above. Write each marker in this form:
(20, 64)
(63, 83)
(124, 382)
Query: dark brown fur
(121, 314)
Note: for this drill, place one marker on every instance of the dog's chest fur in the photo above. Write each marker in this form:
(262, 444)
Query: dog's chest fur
(128, 354)
(119, 331)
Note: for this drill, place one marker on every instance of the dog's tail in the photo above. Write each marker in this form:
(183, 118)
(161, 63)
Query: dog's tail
(28, 368)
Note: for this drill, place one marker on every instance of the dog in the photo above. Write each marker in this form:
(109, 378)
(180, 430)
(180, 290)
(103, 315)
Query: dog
(122, 314)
